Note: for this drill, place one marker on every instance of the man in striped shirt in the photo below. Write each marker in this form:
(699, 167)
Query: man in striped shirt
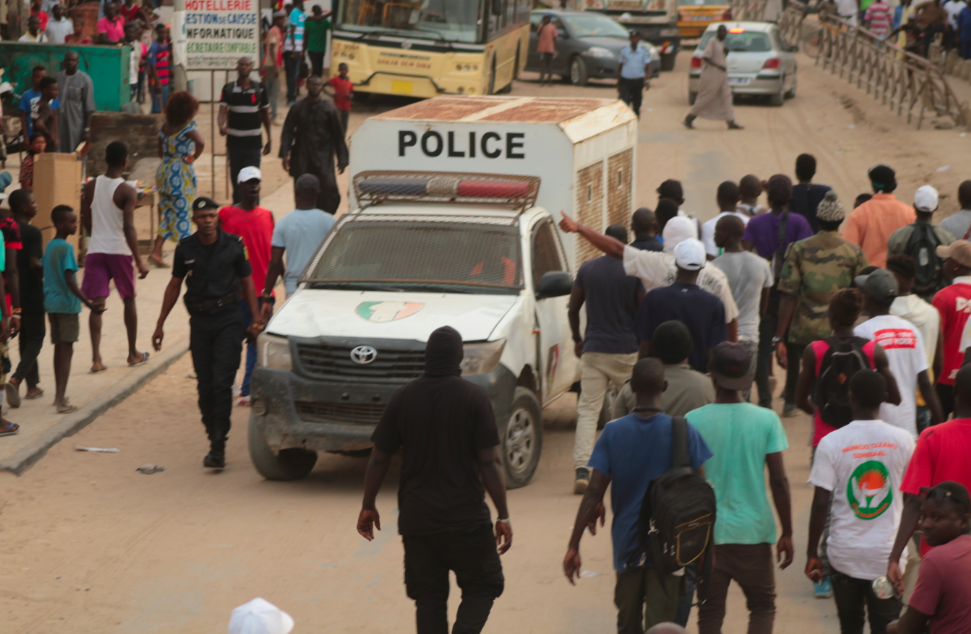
(158, 67)
(242, 108)
(879, 18)
(293, 49)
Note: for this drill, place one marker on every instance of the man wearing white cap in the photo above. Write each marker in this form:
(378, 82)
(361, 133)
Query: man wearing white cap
(259, 616)
(658, 269)
(920, 240)
(254, 225)
(684, 301)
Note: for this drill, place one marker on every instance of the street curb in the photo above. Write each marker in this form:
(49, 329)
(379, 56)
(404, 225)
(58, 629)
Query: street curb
(28, 456)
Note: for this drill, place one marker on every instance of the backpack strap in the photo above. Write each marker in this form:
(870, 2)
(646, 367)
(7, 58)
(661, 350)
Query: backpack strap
(679, 443)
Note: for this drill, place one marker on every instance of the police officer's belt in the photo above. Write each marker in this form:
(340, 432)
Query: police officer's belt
(207, 307)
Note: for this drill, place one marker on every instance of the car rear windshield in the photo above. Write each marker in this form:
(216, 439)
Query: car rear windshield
(594, 25)
(744, 42)
(416, 255)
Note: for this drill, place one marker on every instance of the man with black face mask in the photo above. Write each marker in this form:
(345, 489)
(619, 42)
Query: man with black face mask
(447, 432)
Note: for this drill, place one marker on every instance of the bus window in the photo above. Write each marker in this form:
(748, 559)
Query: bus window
(448, 20)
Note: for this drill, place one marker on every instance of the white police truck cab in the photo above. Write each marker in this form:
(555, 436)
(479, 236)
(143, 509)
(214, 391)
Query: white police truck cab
(421, 251)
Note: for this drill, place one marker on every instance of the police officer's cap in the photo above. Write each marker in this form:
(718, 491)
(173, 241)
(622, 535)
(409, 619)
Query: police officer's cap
(204, 203)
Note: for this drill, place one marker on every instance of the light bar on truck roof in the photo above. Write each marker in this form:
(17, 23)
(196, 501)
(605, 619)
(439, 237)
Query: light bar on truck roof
(378, 186)
(736, 30)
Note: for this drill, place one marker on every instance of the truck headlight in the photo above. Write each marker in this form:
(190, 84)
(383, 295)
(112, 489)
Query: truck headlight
(599, 51)
(273, 352)
(482, 358)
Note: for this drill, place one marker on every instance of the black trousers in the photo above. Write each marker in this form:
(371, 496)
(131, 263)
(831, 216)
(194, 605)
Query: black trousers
(794, 357)
(472, 556)
(216, 343)
(631, 91)
(316, 63)
(945, 394)
(32, 332)
(238, 159)
(767, 328)
(855, 598)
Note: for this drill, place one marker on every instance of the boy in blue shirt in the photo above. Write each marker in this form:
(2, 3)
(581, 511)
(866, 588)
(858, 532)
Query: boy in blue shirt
(62, 300)
(630, 453)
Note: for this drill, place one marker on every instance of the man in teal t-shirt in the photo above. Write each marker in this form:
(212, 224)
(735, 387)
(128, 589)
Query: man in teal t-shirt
(315, 31)
(744, 439)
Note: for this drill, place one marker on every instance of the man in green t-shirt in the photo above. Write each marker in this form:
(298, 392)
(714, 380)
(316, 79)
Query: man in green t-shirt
(315, 30)
(744, 439)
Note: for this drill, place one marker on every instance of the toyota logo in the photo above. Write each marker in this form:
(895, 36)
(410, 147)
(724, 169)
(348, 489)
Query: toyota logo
(363, 355)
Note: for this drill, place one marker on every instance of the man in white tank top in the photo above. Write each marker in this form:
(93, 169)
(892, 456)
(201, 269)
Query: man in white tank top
(107, 211)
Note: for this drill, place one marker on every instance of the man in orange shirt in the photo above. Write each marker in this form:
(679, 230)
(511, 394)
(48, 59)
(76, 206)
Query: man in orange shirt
(871, 224)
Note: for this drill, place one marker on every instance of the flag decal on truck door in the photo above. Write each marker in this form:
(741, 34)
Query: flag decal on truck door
(387, 311)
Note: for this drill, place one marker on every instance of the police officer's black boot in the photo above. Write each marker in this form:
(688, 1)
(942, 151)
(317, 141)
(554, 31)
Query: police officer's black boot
(216, 458)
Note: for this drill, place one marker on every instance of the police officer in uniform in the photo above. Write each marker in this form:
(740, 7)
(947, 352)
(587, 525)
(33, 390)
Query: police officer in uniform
(217, 276)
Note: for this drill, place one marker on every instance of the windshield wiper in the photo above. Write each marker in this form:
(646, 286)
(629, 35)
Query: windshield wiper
(356, 286)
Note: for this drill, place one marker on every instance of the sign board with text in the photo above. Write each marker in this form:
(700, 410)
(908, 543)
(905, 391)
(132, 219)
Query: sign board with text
(214, 34)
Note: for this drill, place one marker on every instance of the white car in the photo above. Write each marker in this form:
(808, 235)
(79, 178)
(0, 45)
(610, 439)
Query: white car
(425, 250)
(760, 61)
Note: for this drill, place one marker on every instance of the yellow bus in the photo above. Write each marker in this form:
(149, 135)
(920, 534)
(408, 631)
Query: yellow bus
(426, 48)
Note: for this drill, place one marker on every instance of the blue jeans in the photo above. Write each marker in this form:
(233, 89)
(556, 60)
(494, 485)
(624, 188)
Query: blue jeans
(244, 389)
(291, 62)
(160, 98)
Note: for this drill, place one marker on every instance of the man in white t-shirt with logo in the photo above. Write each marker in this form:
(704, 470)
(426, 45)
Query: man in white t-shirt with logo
(904, 345)
(857, 471)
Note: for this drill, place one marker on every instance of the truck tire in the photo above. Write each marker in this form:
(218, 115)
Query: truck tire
(522, 439)
(667, 61)
(692, 98)
(289, 464)
(578, 71)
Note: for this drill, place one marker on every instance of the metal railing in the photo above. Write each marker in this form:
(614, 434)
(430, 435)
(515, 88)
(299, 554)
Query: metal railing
(906, 83)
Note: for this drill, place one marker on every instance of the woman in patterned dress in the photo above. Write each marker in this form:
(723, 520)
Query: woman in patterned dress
(179, 145)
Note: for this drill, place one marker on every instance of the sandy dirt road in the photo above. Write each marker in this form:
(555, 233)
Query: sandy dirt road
(87, 544)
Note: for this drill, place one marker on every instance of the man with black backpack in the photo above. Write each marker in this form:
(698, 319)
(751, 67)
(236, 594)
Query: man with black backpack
(655, 465)
(745, 439)
(920, 240)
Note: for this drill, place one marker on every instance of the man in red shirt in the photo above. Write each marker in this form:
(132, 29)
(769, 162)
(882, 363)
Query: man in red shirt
(254, 225)
(943, 453)
(954, 304)
(341, 90)
(40, 14)
(942, 598)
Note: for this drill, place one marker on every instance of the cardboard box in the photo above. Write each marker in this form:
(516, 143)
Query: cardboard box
(57, 181)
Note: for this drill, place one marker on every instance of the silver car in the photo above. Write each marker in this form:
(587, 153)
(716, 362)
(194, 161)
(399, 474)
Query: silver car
(760, 61)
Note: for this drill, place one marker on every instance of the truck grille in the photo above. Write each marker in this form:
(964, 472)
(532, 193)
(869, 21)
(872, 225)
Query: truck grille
(357, 414)
(322, 360)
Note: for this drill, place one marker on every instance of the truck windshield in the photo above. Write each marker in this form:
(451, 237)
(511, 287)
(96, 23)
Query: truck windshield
(448, 20)
(742, 42)
(593, 25)
(424, 256)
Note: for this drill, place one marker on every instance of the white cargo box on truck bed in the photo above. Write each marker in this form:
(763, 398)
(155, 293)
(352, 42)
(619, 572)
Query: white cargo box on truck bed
(581, 149)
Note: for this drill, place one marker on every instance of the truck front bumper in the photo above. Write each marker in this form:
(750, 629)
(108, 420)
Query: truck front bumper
(295, 412)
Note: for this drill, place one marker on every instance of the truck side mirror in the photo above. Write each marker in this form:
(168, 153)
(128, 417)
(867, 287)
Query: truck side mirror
(554, 284)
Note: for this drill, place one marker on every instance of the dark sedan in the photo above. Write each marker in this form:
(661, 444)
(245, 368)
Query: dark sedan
(587, 46)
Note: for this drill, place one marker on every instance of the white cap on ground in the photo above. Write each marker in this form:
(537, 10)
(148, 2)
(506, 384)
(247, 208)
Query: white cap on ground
(677, 230)
(925, 199)
(259, 616)
(248, 174)
(690, 254)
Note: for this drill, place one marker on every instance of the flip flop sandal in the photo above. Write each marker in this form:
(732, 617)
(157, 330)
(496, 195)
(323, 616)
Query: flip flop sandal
(13, 395)
(10, 431)
(142, 362)
(39, 394)
(103, 368)
(67, 408)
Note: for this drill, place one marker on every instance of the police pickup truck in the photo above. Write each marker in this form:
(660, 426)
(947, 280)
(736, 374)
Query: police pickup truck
(421, 251)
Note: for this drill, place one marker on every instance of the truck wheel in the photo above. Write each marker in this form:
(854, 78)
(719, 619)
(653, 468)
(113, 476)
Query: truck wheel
(578, 71)
(522, 440)
(667, 61)
(289, 464)
(692, 98)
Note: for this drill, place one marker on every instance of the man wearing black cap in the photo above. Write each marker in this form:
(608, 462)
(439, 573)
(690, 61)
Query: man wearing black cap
(745, 439)
(871, 224)
(217, 273)
(446, 430)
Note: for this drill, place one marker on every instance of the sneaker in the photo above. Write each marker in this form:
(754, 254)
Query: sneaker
(789, 410)
(214, 460)
(582, 480)
(244, 401)
(824, 589)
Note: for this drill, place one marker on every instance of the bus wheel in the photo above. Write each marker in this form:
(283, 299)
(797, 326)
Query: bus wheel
(515, 69)
(492, 79)
(578, 71)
